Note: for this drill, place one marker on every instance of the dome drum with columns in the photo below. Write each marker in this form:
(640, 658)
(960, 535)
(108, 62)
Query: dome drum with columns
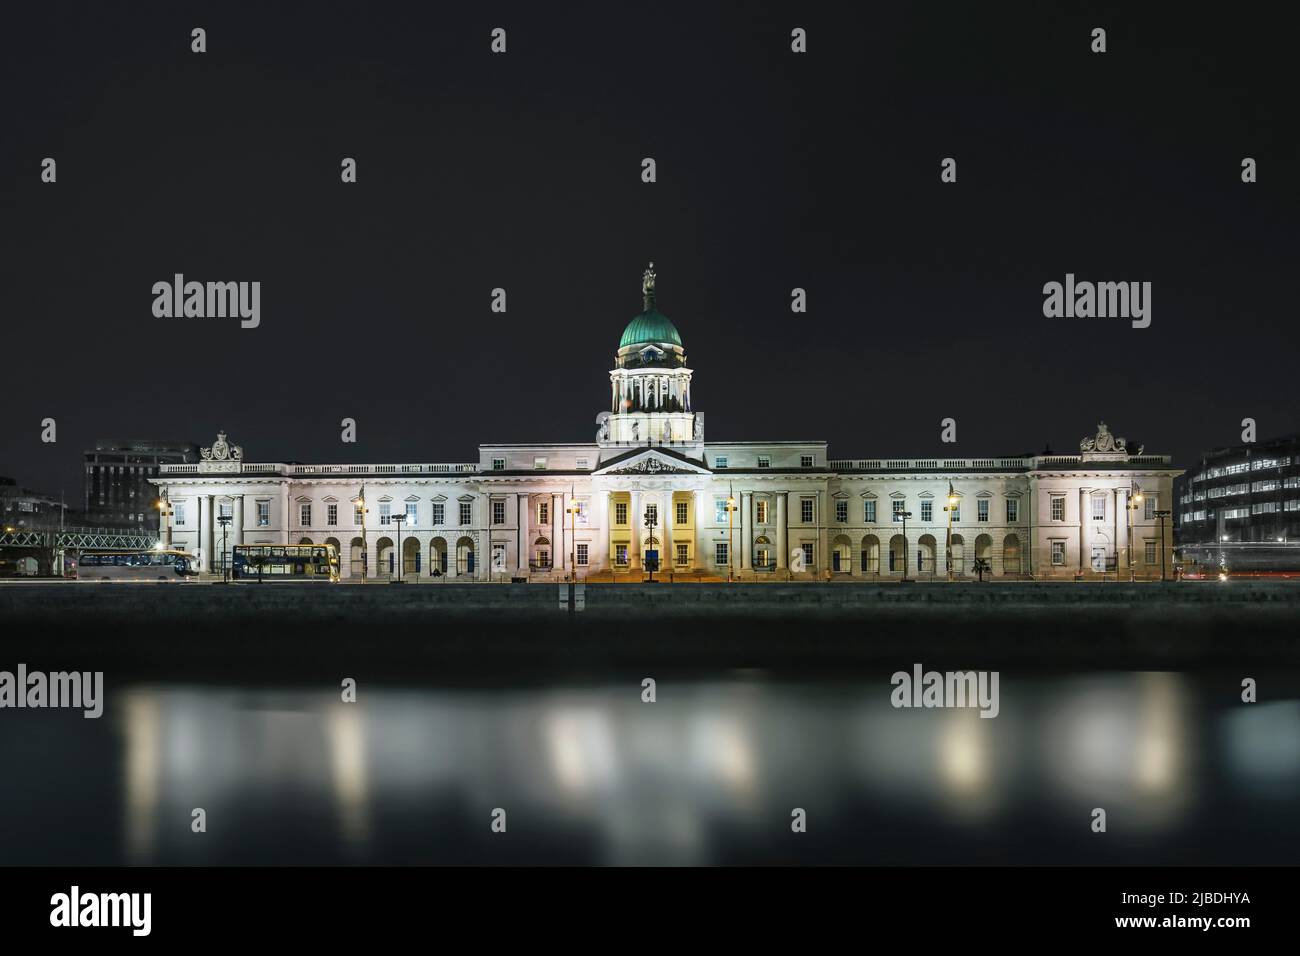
(650, 385)
(649, 484)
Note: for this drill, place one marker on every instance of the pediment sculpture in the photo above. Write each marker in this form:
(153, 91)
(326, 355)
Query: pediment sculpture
(222, 450)
(650, 466)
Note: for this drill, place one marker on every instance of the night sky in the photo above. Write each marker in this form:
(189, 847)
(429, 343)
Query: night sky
(522, 170)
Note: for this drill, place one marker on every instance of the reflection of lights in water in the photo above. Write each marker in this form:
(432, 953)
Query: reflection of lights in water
(721, 748)
(140, 727)
(709, 768)
(1126, 744)
(581, 749)
(951, 756)
(345, 730)
(963, 753)
(1159, 742)
(1262, 742)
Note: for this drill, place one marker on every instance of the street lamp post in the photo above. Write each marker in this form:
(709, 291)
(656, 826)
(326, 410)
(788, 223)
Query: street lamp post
(573, 510)
(224, 520)
(164, 518)
(951, 507)
(1162, 515)
(397, 519)
(731, 548)
(365, 553)
(1134, 501)
(650, 521)
(903, 516)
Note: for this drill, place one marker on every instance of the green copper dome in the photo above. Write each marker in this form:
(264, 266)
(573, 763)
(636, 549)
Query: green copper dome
(650, 326)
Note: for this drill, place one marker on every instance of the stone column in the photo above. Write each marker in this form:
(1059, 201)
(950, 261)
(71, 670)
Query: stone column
(634, 520)
(701, 502)
(782, 532)
(746, 530)
(667, 560)
(600, 560)
(284, 510)
(205, 531)
(557, 531)
(824, 535)
(521, 532)
(237, 522)
(482, 538)
(1083, 527)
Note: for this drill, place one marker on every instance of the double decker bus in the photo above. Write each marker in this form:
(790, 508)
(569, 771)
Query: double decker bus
(286, 562)
(148, 565)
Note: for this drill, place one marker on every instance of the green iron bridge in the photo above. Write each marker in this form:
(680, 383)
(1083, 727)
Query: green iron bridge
(79, 539)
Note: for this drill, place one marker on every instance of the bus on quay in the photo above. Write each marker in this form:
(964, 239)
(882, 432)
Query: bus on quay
(286, 562)
(144, 565)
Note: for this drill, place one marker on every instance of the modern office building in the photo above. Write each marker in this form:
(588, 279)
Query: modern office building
(118, 492)
(651, 488)
(26, 509)
(1240, 508)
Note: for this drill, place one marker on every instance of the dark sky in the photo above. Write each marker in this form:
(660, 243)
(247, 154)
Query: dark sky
(523, 171)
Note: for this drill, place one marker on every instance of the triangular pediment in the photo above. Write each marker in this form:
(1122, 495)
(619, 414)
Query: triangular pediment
(651, 461)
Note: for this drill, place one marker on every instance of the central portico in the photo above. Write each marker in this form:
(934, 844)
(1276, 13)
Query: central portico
(650, 482)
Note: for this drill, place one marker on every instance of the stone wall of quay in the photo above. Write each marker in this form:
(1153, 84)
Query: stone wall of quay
(206, 604)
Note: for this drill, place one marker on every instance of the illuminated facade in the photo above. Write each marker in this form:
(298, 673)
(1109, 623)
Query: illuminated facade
(651, 487)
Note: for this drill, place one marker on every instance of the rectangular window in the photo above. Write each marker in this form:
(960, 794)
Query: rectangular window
(841, 511)
(466, 512)
(543, 512)
(869, 512)
(652, 515)
(439, 512)
(805, 461)
(720, 553)
(179, 512)
(1149, 507)
(683, 512)
(719, 510)
(808, 555)
(760, 511)
(620, 512)
(385, 514)
(683, 555)
(498, 512)
(1058, 508)
(927, 511)
(498, 464)
(1150, 552)
(956, 512)
(1098, 508)
(412, 513)
(982, 510)
(720, 461)
(1058, 554)
(806, 510)
(1013, 510)
(764, 461)
(899, 508)
(620, 554)
(331, 514)
(582, 555)
(357, 514)
(539, 464)
(226, 509)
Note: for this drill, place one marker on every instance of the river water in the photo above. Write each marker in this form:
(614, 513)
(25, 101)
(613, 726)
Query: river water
(711, 772)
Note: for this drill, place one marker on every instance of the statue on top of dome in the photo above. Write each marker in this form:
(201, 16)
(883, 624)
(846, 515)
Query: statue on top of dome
(648, 280)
